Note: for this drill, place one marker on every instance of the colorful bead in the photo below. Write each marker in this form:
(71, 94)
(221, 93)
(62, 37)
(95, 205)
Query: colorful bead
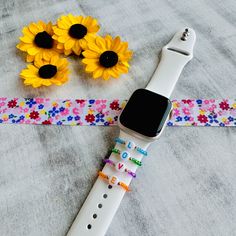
(139, 163)
(135, 161)
(125, 155)
(119, 140)
(120, 166)
(113, 180)
(130, 145)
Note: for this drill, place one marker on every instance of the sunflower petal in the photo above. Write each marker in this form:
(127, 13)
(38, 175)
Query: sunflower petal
(90, 54)
(33, 28)
(27, 32)
(59, 31)
(98, 73)
(33, 51)
(113, 73)
(116, 43)
(29, 58)
(100, 43)
(26, 39)
(106, 75)
(63, 38)
(69, 44)
(90, 60)
(91, 67)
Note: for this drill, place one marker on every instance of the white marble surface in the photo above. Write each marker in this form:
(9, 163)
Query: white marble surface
(187, 186)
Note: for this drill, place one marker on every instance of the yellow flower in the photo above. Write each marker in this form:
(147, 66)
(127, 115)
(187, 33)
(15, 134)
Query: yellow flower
(202, 112)
(22, 104)
(42, 112)
(55, 71)
(176, 104)
(234, 105)
(37, 41)
(74, 32)
(224, 119)
(107, 57)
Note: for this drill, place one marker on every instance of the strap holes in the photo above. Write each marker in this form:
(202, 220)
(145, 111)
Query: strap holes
(89, 226)
(95, 216)
(99, 205)
(105, 195)
(110, 186)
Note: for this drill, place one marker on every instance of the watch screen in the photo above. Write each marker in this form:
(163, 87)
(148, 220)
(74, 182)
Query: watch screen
(146, 112)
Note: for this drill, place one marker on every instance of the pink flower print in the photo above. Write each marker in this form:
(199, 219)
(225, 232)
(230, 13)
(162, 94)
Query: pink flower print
(39, 100)
(186, 111)
(65, 112)
(212, 108)
(25, 110)
(191, 105)
(101, 108)
(191, 119)
(57, 117)
(206, 101)
(176, 112)
(2, 104)
(75, 111)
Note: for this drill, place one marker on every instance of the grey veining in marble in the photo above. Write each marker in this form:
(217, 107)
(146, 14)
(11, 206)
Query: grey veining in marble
(187, 186)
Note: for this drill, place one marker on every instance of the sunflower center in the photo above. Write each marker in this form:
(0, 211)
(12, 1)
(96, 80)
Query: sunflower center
(77, 31)
(43, 40)
(47, 71)
(108, 59)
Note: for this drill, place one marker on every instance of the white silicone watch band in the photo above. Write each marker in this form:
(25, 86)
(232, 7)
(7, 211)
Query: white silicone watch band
(175, 55)
(110, 204)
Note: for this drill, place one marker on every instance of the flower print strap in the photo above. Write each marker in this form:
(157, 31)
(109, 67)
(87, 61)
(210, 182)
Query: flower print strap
(186, 112)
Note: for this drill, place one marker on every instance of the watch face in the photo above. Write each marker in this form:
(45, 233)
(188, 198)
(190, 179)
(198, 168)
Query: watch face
(145, 112)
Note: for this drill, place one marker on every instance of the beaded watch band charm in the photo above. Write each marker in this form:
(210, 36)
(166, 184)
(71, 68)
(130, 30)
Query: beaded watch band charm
(131, 145)
(126, 156)
(113, 180)
(119, 166)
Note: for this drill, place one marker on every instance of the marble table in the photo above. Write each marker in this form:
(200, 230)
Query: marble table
(187, 186)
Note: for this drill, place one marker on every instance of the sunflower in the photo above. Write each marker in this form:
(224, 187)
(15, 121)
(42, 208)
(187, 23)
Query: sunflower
(73, 32)
(37, 41)
(107, 57)
(55, 71)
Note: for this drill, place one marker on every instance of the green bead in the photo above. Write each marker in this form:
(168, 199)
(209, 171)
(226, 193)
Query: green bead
(139, 163)
(114, 150)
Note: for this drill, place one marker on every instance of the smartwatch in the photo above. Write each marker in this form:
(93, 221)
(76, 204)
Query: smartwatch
(139, 125)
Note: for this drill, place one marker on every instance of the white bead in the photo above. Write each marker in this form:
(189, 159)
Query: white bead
(130, 145)
(120, 166)
(113, 180)
(125, 155)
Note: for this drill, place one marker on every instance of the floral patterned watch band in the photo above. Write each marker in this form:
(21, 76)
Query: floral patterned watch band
(186, 112)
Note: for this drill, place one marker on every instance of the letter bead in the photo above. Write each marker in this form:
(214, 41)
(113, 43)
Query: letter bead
(113, 180)
(130, 145)
(120, 166)
(125, 155)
